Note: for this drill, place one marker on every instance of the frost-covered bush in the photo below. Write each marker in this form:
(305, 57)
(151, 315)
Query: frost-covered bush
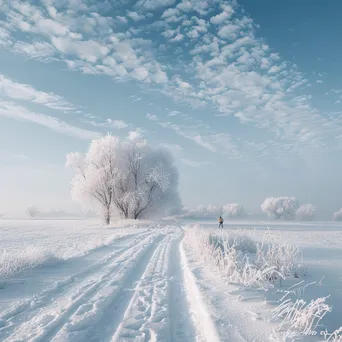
(280, 207)
(338, 215)
(233, 210)
(127, 177)
(306, 212)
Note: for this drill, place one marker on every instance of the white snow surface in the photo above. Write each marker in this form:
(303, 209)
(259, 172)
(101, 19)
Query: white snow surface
(29, 244)
(142, 282)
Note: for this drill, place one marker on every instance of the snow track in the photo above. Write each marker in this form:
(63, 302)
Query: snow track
(198, 308)
(148, 305)
(64, 295)
(142, 292)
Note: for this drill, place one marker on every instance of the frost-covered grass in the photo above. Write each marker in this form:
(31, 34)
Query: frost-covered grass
(243, 260)
(335, 336)
(304, 303)
(27, 244)
(299, 316)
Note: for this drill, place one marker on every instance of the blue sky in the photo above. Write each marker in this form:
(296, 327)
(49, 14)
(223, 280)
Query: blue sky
(246, 94)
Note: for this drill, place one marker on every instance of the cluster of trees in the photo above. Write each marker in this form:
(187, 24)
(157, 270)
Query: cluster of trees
(287, 208)
(126, 178)
(231, 210)
(338, 215)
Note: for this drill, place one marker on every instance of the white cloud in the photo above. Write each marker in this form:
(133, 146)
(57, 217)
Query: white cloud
(82, 38)
(88, 50)
(51, 27)
(202, 142)
(5, 37)
(169, 33)
(179, 37)
(151, 117)
(155, 4)
(228, 31)
(25, 92)
(274, 69)
(108, 123)
(194, 163)
(223, 16)
(119, 124)
(135, 16)
(4, 155)
(174, 113)
(211, 141)
(38, 50)
(159, 76)
(170, 13)
(140, 73)
(16, 112)
(228, 68)
(174, 148)
(122, 19)
(182, 84)
(185, 6)
(135, 135)
(200, 6)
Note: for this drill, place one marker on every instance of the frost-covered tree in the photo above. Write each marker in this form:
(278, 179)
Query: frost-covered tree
(338, 215)
(32, 212)
(213, 211)
(280, 207)
(233, 210)
(202, 212)
(306, 212)
(126, 177)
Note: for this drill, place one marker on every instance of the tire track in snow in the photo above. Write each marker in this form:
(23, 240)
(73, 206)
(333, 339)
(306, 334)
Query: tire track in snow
(146, 316)
(204, 325)
(181, 327)
(42, 325)
(112, 313)
(12, 316)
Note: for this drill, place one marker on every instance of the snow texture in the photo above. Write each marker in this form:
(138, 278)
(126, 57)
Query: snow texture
(172, 282)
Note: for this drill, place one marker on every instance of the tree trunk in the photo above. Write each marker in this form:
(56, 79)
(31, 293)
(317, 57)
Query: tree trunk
(107, 216)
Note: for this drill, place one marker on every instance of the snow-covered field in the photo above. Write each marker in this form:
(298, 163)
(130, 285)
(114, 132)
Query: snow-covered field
(186, 281)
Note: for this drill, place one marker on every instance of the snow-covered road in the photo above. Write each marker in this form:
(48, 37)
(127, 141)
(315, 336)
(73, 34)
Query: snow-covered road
(142, 291)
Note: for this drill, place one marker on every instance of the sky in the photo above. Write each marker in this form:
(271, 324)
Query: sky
(246, 95)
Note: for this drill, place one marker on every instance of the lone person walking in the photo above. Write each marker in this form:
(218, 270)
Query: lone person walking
(220, 222)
